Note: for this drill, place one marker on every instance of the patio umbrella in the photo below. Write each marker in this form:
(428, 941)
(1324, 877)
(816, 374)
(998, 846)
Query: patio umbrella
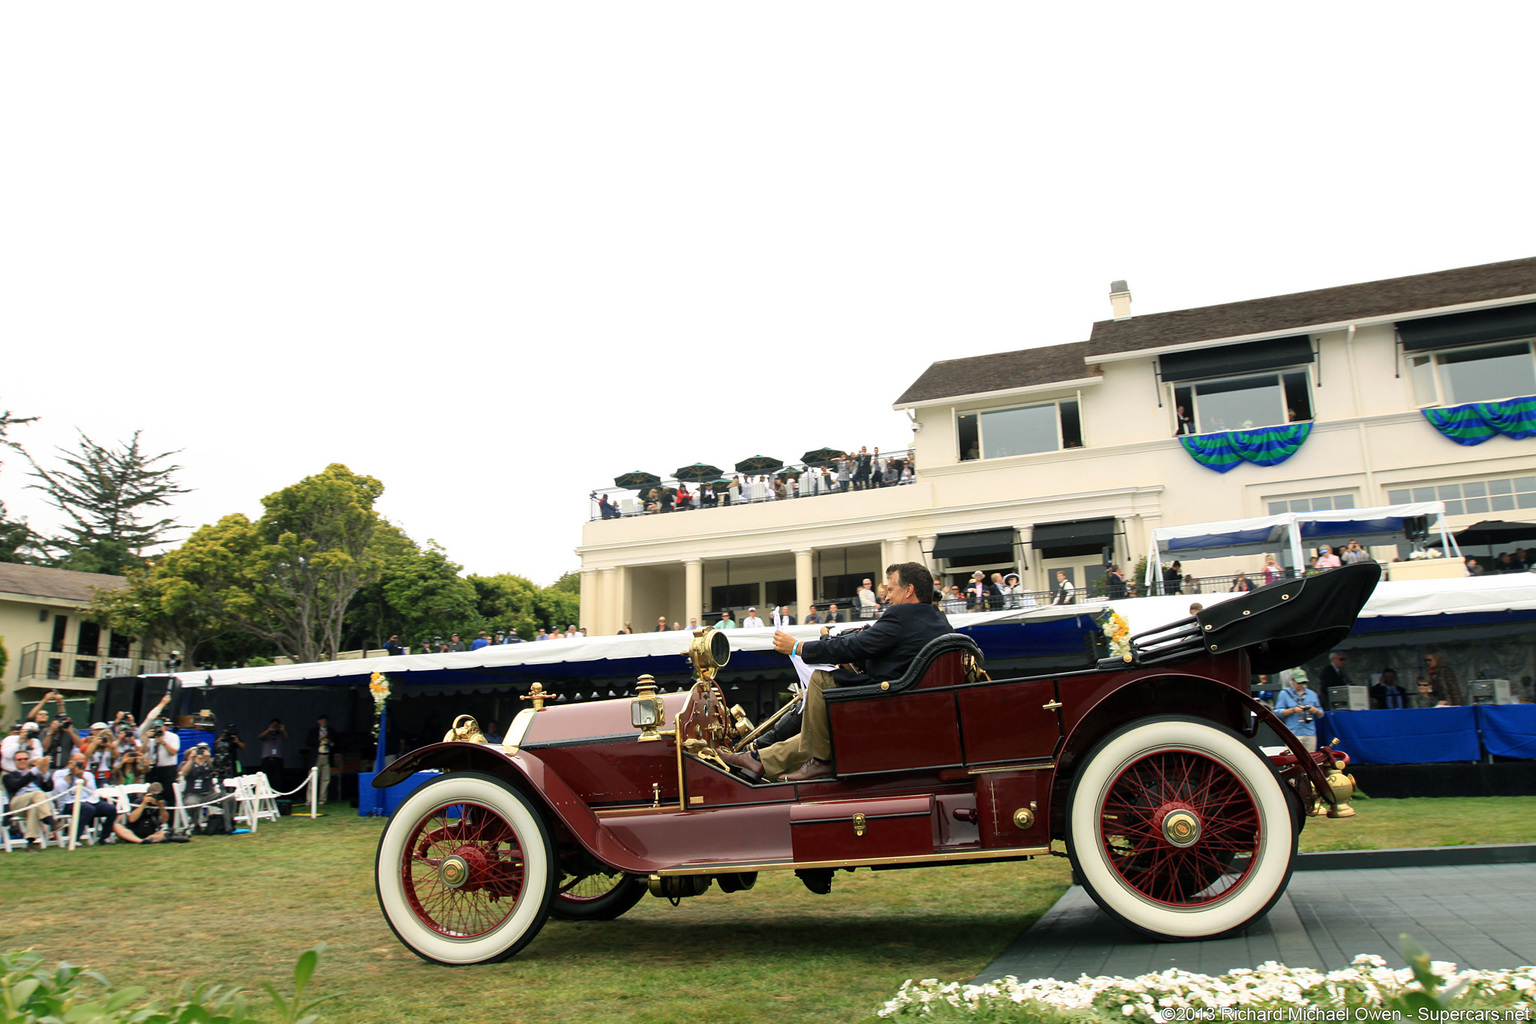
(759, 464)
(790, 471)
(822, 456)
(636, 479)
(698, 472)
(1493, 531)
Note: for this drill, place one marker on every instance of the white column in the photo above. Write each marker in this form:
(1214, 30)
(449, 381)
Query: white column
(607, 594)
(925, 547)
(621, 598)
(893, 550)
(589, 601)
(1033, 578)
(805, 584)
(693, 589)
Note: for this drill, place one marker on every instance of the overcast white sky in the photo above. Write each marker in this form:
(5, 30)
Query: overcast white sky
(495, 254)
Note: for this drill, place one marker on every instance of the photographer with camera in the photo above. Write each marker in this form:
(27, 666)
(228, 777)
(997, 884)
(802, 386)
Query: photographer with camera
(197, 782)
(100, 750)
(272, 739)
(23, 737)
(61, 740)
(226, 753)
(1297, 706)
(142, 824)
(92, 807)
(131, 764)
(161, 747)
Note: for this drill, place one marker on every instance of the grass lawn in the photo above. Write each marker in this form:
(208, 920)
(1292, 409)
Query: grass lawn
(240, 909)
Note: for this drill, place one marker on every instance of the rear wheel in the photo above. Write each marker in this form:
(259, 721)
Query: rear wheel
(599, 896)
(465, 871)
(1181, 829)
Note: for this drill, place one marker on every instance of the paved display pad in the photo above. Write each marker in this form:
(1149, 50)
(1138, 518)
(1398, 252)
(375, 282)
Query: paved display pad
(1475, 915)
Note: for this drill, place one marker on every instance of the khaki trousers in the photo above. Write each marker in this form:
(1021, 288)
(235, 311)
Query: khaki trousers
(1308, 743)
(37, 806)
(815, 738)
(323, 779)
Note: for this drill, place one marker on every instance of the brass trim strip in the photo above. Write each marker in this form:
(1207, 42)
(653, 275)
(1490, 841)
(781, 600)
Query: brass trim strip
(1011, 768)
(921, 858)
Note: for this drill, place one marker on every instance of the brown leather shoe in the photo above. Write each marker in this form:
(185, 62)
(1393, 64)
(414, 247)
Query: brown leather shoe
(746, 762)
(812, 769)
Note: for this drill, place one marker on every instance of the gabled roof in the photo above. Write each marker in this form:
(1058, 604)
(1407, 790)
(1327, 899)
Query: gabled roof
(1000, 371)
(1004, 371)
(54, 584)
(1298, 310)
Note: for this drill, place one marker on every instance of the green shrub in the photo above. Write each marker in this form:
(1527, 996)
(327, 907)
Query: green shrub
(33, 993)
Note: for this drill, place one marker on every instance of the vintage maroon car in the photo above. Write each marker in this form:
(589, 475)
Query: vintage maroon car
(1145, 769)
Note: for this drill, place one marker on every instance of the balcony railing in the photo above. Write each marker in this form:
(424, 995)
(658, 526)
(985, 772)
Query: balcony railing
(72, 663)
(798, 479)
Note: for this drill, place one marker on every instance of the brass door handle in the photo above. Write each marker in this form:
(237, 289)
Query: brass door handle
(1051, 705)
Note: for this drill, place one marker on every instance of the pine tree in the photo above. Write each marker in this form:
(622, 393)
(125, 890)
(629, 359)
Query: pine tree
(15, 536)
(104, 492)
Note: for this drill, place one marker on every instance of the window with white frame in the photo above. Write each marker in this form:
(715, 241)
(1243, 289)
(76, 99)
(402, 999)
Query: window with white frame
(1243, 403)
(1311, 503)
(1480, 373)
(1473, 497)
(1020, 430)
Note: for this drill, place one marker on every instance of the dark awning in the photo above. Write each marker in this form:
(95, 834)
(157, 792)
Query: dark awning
(1232, 360)
(955, 546)
(1080, 536)
(1459, 329)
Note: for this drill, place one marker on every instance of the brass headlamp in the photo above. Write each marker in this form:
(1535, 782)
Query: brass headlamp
(709, 651)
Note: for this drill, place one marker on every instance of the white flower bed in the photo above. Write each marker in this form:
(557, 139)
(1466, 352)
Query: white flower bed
(1270, 992)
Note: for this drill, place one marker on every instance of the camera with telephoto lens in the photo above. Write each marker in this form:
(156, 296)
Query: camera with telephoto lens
(65, 722)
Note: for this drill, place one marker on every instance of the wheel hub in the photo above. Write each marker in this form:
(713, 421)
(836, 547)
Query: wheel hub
(462, 866)
(1181, 828)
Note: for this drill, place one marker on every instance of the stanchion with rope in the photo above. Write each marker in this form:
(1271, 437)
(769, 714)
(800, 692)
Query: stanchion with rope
(314, 806)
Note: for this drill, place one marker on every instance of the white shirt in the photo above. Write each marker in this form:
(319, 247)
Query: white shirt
(163, 758)
(62, 783)
(751, 622)
(8, 751)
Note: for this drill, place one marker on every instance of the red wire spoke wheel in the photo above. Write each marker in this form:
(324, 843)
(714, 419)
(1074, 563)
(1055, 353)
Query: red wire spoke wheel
(465, 872)
(600, 895)
(1179, 828)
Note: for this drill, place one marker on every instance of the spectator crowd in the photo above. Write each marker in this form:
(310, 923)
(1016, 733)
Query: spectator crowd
(852, 471)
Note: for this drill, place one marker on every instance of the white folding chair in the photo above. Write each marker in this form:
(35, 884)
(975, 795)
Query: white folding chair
(245, 799)
(266, 799)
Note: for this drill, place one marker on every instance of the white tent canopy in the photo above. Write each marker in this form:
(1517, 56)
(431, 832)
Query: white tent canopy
(1288, 534)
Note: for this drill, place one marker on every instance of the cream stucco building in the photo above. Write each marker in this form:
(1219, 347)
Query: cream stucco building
(1062, 456)
(51, 644)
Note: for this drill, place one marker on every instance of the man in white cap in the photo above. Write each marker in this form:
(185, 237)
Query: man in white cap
(751, 621)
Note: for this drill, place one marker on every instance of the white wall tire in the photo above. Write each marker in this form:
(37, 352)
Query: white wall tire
(465, 870)
(1180, 829)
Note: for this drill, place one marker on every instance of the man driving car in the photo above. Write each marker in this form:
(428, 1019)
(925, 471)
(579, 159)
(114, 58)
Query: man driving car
(885, 648)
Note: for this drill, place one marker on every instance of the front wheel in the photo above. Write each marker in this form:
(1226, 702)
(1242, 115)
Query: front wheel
(465, 870)
(1181, 829)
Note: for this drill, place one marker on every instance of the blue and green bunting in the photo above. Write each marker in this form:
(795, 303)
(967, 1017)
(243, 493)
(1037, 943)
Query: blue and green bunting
(1476, 422)
(1265, 446)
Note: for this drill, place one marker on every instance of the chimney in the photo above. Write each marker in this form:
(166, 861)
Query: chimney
(1120, 299)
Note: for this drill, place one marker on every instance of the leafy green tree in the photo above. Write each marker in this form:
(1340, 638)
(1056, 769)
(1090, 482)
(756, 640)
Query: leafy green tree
(561, 600)
(105, 493)
(315, 554)
(285, 580)
(508, 601)
(182, 601)
(419, 593)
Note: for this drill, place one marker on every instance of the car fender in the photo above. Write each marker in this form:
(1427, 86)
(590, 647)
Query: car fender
(531, 775)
